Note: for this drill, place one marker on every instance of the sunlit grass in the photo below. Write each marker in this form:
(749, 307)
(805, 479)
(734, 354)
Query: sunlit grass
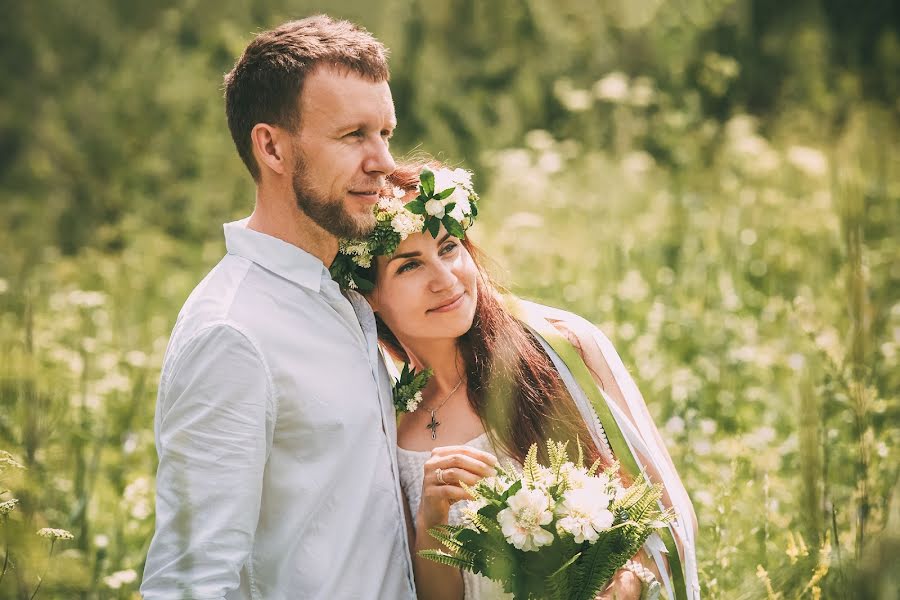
(747, 289)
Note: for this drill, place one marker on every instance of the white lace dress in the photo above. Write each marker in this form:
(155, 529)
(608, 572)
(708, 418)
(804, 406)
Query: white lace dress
(412, 464)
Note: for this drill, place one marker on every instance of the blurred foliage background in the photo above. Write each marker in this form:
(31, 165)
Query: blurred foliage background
(714, 182)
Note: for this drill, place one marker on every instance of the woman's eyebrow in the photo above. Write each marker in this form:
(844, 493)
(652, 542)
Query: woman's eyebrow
(416, 253)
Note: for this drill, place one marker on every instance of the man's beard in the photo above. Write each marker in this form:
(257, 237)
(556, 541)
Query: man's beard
(328, 213)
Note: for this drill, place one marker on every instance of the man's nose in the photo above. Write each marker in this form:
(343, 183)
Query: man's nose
(380, 161)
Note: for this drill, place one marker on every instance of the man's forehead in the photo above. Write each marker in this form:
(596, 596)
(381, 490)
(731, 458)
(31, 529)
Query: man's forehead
(345, 95)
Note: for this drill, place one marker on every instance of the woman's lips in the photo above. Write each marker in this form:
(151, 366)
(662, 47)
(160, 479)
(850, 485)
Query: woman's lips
(452, 305)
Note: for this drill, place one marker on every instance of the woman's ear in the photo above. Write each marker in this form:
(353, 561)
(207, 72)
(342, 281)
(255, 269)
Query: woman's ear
(372, 298)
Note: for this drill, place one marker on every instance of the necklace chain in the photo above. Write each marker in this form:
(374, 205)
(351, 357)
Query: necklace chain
(453, 391)
(433, 424)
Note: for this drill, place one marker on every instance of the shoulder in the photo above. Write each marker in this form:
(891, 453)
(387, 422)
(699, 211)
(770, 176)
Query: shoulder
(592, 345)
(213, 343)
(580, 332)
(212, 330)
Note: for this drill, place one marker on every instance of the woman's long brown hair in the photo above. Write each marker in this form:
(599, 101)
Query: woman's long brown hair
(512, 383)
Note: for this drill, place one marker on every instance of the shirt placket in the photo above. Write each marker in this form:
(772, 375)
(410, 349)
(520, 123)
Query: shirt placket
(366, 321)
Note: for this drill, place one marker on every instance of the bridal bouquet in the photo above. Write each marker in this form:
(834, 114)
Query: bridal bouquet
(556, 532)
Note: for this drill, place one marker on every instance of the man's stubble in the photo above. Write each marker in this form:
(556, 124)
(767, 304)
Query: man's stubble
(327, 212)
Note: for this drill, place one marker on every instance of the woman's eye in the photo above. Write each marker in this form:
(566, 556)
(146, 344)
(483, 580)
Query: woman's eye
(407, 267)
(448, 247)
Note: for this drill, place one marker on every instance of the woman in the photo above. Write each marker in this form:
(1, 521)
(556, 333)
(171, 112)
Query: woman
(506, 374)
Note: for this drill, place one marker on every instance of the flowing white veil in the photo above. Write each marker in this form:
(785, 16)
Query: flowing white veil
(636, 425)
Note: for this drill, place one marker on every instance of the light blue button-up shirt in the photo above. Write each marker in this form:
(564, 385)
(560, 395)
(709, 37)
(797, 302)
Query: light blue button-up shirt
(276, 438)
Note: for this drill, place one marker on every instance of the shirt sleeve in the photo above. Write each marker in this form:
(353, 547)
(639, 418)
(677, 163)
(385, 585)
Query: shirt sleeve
(214, 432)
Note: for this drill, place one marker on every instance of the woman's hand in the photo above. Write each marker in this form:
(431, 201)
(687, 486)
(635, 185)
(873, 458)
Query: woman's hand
(624, 585)
(444, 470)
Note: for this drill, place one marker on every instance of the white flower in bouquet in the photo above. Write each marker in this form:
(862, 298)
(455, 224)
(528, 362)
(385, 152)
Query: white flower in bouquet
(522, 521)
(469, 512)
(545, 478)
(576, 477)
(585, 511)
(496, 483)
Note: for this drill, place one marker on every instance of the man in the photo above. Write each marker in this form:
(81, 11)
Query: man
(275, 431)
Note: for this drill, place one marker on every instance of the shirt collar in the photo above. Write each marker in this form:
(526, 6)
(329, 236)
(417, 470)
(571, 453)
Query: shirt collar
(275, 255)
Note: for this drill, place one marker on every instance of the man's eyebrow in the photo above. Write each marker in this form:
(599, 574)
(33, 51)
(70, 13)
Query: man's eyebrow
(350, 126)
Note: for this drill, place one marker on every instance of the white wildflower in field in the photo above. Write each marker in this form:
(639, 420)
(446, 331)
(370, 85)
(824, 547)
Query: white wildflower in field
(633, 287)
(571, 97)
(8, 506)
(55, 534)
(612, 88)
(808, 160)
(120, 578)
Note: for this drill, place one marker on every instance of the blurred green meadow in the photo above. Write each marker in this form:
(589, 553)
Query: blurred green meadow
(716, 183)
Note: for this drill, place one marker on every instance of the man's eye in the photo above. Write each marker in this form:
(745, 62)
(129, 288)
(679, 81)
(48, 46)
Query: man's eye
(358, 133)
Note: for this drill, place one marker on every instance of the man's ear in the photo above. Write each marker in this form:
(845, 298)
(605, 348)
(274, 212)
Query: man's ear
(271, 147)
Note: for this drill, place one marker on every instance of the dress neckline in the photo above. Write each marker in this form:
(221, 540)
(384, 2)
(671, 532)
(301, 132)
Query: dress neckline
(469, 443)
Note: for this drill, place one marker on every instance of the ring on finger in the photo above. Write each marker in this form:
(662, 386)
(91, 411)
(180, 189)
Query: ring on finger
(440, 476)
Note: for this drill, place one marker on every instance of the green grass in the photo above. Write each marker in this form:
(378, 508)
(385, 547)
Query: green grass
(750, 286)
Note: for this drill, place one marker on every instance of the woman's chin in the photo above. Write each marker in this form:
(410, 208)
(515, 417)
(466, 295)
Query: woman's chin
(453, 324)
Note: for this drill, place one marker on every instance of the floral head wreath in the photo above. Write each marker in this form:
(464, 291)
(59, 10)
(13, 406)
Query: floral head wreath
(446, 197)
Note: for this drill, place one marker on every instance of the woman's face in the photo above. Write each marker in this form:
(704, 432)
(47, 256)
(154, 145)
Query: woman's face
(427, 289)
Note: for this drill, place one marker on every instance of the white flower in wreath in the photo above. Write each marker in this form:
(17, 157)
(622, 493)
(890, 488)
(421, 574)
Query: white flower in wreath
(521, 523)
(462, 209)
(405, 224)
(462, 177)
(389, 205)
(359, 252)
(444, 179)
(435, 208)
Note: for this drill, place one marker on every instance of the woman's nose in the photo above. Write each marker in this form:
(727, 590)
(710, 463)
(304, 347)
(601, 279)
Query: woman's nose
(442, 277)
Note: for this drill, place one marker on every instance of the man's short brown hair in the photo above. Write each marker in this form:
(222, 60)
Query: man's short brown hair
(265, 84)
